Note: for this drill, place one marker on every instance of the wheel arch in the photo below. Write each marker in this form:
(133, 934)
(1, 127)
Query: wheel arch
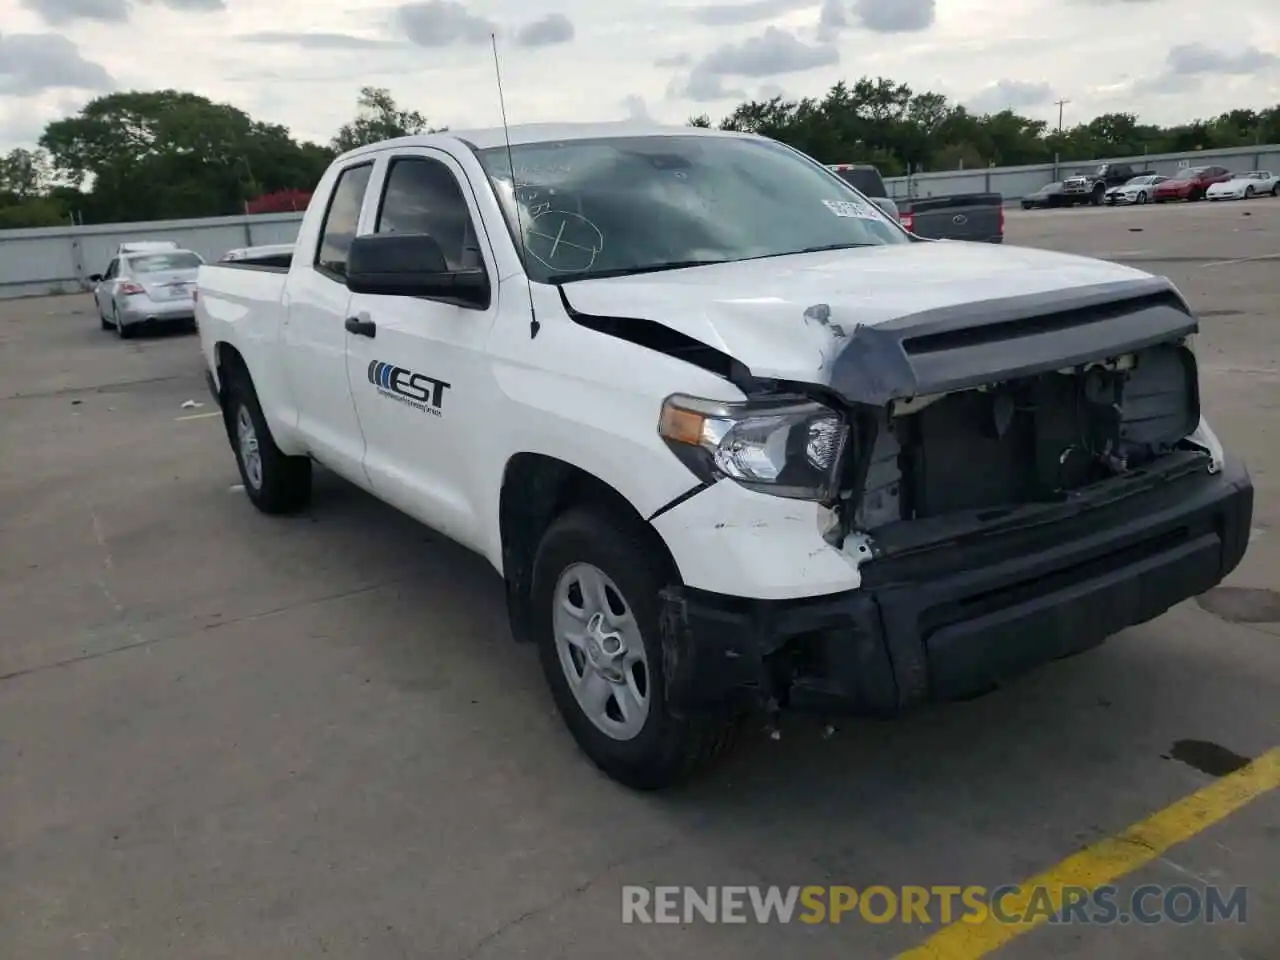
(536, 489)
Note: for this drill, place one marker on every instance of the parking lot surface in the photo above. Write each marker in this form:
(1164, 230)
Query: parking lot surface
(229, 736)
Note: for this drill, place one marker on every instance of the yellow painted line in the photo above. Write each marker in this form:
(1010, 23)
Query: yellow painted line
(1106, 861)
(200, 416)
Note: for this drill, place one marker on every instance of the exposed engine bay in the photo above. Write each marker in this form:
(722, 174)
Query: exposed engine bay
(1024, 441)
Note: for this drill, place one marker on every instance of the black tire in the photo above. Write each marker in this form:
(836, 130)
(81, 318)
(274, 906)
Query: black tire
(1095, 199)
(668, 749)
(1142, 196)
(122, 330)
(1248, 193)
(285, 485)
(1195, 195)
(1275, 191)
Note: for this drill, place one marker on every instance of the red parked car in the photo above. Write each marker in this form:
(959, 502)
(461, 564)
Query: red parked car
(1191, 184)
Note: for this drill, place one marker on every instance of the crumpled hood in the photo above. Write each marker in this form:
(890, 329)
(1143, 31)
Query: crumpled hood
(755, 310)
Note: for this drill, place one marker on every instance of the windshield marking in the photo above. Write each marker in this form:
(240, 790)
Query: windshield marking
(850, 208)
(668, 202)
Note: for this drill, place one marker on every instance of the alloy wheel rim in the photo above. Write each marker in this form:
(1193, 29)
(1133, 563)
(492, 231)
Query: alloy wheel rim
(247, 441)
(601, 652)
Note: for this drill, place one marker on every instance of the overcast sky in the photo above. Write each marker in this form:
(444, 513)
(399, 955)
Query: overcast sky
(302, 64)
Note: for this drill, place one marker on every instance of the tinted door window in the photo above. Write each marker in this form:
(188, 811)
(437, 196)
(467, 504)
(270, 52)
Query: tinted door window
(341, 219)
(423, 196)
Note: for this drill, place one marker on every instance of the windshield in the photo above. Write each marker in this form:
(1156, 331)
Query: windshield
(619, 205)
(159, 262)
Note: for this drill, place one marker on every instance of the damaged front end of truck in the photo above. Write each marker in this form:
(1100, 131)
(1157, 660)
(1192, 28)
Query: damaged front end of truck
(1017, 480)
(973, 419)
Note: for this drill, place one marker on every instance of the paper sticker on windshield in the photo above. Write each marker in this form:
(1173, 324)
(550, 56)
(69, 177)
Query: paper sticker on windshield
(851, 208)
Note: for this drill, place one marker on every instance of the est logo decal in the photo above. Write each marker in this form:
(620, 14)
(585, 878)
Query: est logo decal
(414, 389)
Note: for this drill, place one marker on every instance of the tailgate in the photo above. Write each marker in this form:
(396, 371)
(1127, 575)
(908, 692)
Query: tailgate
(972, 216)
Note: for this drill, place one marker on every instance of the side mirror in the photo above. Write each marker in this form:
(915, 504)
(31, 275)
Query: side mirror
(95, 278)
(412, 265)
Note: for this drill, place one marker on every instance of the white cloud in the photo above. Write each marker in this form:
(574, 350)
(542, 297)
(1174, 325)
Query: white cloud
(546, 31)
(31, 63)
(678, 58)
(1010, 95)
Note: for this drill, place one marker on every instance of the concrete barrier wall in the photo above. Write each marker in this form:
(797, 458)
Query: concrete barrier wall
(52, 260)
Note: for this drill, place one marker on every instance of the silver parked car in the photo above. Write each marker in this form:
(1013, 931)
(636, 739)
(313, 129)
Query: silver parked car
(147, 288)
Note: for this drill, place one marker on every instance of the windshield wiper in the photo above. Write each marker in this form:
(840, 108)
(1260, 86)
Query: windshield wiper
(835, 246)
(631, 271)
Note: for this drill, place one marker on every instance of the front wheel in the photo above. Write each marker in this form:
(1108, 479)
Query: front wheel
(596, 611)
(1248, 193)
(1142, 196)
(275, 483)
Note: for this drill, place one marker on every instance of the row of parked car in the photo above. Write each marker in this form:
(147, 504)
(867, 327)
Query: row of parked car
(1114, 184)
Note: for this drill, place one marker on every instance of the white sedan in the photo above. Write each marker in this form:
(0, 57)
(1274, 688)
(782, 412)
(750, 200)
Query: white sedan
(1138, 190)
(1244, 186)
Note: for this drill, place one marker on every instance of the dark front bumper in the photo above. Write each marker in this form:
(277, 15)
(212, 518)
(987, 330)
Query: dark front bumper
(956, 620)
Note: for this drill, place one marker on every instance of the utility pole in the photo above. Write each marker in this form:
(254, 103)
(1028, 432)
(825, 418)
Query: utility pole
(1061, 103)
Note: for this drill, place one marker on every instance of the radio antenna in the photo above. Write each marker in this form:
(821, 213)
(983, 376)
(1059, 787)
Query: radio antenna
(515, 195)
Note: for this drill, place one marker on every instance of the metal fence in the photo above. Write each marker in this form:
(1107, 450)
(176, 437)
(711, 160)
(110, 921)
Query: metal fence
(1014, 182)
(53, 260)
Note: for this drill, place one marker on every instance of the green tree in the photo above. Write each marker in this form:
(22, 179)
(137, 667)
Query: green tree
(379, 118)
(880, 121)
(24, 173)
(168, 153)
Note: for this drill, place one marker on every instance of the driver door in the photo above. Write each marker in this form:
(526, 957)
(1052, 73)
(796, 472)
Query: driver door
(423, 385)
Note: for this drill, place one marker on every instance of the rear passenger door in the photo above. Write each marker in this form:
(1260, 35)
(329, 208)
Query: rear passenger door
(315, 336)
(422, 383)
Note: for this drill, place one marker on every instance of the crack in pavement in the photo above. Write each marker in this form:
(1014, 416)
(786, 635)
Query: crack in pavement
(96, 388)
(143, 642)
(565, 896)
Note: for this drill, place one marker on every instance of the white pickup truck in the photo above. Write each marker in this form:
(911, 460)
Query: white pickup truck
(736, 441)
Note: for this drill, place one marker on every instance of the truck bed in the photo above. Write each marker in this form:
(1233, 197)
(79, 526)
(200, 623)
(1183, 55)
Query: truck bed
(247, 296)
(966, 216)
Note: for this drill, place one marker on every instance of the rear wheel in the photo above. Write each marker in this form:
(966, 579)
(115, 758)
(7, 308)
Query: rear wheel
(596, 611)
(275, 482)
(122, 331)
(1095, 199)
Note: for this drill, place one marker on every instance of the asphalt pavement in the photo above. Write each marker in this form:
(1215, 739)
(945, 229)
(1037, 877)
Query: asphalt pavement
(229, 736)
